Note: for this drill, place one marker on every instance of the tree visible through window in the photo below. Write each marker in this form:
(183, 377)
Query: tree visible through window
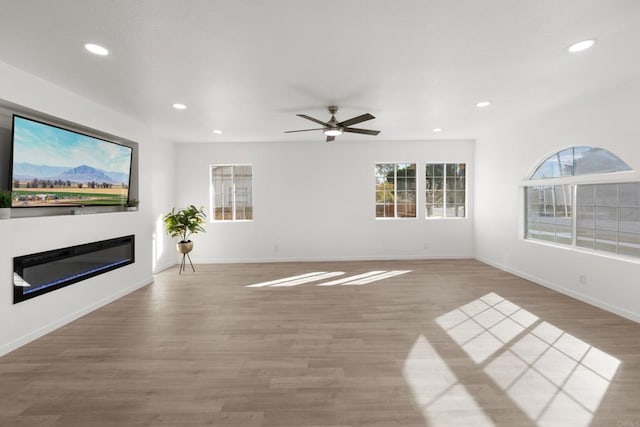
(395, 190)
(231, 192)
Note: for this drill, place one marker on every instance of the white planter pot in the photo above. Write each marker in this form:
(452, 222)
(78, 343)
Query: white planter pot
(5, 213)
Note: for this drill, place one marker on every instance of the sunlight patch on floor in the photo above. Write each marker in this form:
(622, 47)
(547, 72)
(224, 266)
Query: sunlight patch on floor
(552, 376)
(358, 279)
(350, 278)
(309, 279)
(287, 279)
(375, 278)
(443, 400)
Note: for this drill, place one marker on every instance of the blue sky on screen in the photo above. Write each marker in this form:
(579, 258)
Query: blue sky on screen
(40, 144)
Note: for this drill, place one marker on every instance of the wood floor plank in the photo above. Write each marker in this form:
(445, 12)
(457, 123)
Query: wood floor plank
(452, 342)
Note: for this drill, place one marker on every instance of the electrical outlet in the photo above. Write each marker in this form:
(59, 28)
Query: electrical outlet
(275, 248)
(582, 279)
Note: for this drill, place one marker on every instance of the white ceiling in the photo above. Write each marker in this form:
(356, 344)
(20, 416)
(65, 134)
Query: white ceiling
(247, 67)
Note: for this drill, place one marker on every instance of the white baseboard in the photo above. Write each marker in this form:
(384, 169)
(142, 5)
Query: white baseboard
(627, 314)
(31, 336)
(163, 267)
(328, 259)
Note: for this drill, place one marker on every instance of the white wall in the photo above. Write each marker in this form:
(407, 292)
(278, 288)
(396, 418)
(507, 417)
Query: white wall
(316, 201)
(505, 157)
(23, 322)
(163, 182)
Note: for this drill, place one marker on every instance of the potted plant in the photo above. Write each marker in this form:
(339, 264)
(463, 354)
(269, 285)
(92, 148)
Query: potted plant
(182, 224)
(5, 204)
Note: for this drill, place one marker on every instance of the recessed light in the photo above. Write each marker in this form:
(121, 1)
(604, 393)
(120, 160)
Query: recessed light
(96, 49)
(437, 130)
(218, 132)
(179, 106)
(483, 104)
(580, 46)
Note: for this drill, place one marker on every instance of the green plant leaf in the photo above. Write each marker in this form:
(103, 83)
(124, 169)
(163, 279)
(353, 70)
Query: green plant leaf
(184, 222)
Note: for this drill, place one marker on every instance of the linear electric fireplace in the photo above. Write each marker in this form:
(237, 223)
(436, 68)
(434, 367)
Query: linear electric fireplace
(43, 272)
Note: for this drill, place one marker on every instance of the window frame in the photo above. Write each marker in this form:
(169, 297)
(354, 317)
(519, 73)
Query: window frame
(574, 181)
(572, 205)
(212, 193)
(444, 191)
(575, 158)
(395, 190)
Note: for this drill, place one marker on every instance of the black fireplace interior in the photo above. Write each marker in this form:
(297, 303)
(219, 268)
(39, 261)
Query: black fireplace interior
(43, 272)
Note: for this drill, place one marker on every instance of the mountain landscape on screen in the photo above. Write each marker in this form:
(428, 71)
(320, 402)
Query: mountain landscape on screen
(83, 173)
(44, 185)
(57, 167)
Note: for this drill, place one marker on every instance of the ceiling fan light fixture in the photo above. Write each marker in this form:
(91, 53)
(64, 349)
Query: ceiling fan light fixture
(333, 132)
(96, 49)
(581, 45)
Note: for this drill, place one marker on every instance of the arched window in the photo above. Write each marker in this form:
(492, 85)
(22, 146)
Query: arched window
(580, 161)
(599, 216)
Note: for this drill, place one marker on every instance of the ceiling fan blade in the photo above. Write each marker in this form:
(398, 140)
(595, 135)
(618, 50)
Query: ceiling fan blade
(331, 138)
(302, 130)
(353, 121)
(362, 131)
(304, 116)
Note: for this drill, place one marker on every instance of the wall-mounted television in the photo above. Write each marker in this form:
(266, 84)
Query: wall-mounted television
(53, 166)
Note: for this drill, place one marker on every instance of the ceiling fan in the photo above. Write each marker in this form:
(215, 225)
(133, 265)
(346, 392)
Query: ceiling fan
(333, 127)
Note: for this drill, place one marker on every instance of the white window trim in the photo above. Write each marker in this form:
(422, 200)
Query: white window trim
(560, 149)
(599, 178)
(395, 204)
(581, 250)
(212, 219)
(466, 192)
(593, 180)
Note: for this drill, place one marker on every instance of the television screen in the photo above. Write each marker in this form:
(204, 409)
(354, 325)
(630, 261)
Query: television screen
(53, 166)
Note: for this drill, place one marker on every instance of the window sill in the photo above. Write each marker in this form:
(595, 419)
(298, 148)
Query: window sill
(580, 250)
(400, 218)
(448, 218)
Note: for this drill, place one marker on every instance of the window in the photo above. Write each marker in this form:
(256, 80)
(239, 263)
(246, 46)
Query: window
(580, 161)
(598, 216)
(395, 190)
(231, 193)
(608, 217)
(445, 190)
(549, 210)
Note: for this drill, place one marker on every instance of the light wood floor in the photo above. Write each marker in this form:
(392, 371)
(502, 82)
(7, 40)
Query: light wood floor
(451, 343)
